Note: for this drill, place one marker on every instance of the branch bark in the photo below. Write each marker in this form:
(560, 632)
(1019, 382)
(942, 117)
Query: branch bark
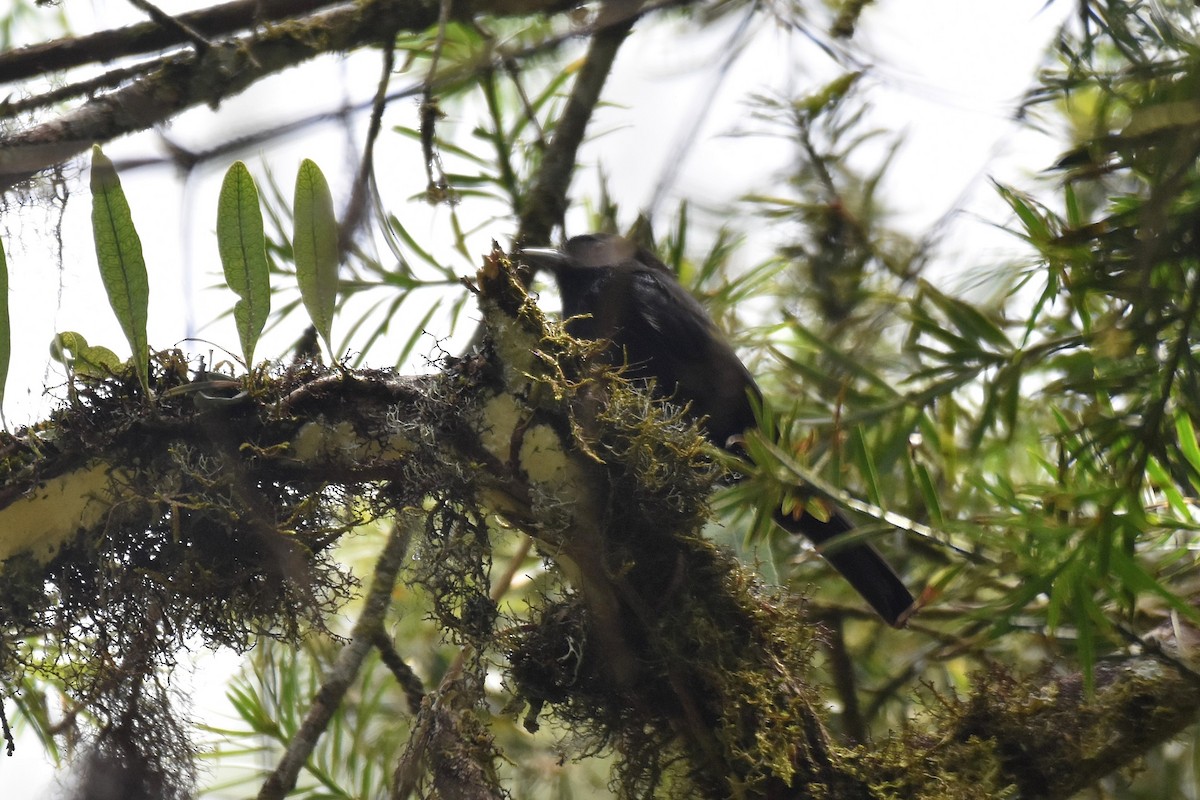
(184, 81)
(547, 202)
(152, 93)
(367, 629)
(220, 20)
(1054, 740)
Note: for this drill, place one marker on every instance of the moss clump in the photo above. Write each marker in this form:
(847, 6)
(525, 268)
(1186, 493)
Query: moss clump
(204, 541)
(718, 704)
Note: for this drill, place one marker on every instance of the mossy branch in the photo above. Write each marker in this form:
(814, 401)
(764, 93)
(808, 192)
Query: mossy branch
(216, 519)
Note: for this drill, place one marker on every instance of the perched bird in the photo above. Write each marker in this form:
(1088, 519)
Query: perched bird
(616, 291)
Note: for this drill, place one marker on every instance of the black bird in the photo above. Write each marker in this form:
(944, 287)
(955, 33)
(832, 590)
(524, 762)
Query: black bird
(614, 290)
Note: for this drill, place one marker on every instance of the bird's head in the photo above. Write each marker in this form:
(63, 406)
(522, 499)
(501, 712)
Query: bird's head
(589, 251)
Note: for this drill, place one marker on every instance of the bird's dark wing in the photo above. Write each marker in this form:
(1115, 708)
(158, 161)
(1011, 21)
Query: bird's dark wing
(667, 329)
(689, 351)
(673, 319)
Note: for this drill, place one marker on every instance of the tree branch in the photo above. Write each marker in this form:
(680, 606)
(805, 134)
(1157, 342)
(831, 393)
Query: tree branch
(1053, 740)
(185, 81)
(414, 690)
(148, 37)
(165, 20)
(177, 82)
(666, 648)
(547, 201)
(345, 669)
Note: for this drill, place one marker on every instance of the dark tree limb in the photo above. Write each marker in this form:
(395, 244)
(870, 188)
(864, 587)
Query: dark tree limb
(414, 689)
(216, 21)
(547, 201)
(186, 81)
(841, 667)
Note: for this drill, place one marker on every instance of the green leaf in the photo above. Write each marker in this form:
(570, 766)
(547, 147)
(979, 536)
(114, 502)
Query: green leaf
(866, 465)
(243, 248)
(929, 492)
(89, 361)
(5, 331)
(968, 320)
(1085, 640)
(315, 244)
(829, 94)
(1136, 579)
(1036, 223)
(1162, 481)
(1188, 446)
(122, 267)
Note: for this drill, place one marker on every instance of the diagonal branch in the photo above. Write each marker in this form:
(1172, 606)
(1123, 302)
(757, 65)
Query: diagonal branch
(547, 201)
(165, 20)
(329, 697)
(1053, 739)
(147, 37)
(185, 81)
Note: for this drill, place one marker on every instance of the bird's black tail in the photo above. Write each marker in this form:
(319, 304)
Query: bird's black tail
(860, 564)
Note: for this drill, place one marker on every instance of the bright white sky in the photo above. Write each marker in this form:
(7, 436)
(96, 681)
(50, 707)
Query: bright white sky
(946, 73)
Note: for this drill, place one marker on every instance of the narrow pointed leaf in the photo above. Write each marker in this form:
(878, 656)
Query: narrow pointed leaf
(1186, 436)
(122, 267)
(316, 248)
(970, 322)
(243, 248)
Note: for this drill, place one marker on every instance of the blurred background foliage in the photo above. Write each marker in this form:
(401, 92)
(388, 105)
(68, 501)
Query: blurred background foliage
(1035, 433)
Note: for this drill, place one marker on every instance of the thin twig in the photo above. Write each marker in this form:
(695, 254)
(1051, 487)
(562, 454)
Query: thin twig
(504, 582)
(114, 77)
(514, 74)
(165, 20)
(345, 669)
(841, 667)
(356, 207)
(10, 744)
(414, 689)
(436, 189)
(408, 769)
